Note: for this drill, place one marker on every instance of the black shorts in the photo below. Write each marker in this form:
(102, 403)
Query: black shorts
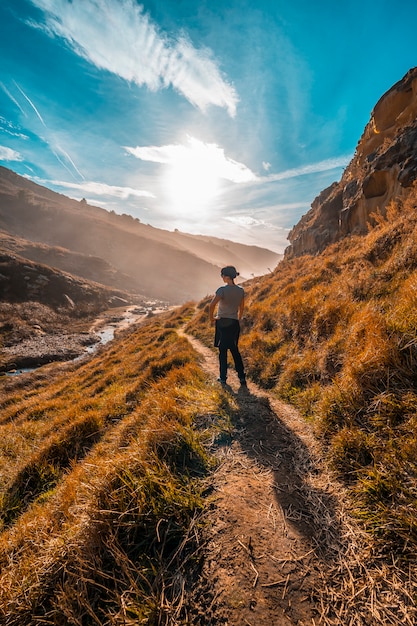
(227, 332)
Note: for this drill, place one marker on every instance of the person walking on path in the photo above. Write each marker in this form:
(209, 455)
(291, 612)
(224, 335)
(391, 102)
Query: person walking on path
(230, 300)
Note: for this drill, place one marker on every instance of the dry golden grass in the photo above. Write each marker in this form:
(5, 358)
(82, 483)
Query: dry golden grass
(101, 463)
(102, 473)
(336, 334)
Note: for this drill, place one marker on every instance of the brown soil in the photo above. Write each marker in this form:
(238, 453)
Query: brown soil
(272, 524)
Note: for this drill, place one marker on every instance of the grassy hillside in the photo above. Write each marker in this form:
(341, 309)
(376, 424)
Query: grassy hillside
(90, 268)
(336, 334)
(101, 477)
(26, 281)
(103, 463)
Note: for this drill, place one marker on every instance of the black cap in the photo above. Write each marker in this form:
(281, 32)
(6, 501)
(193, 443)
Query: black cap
(229, 271)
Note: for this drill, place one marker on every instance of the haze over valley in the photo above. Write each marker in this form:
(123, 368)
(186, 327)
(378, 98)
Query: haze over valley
(114, 250)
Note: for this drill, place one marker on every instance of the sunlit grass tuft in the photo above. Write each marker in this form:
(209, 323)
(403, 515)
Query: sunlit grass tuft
(103, 487)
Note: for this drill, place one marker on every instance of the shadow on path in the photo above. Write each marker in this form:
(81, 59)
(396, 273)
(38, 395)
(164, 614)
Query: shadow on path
(274, 436)
(274, 529)
(265, 437)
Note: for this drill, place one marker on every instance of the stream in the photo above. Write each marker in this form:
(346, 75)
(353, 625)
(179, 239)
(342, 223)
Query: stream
(104, 328)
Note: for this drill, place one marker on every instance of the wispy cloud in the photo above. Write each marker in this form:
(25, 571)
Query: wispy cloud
(250, 228)
(8, 127)
(12, 98)
(100, 189)
(67, 157)
(249, 221)
(118, 36)
(47, 135)
(31, 104)
(205, 156)
(313, 168)
(7, 154)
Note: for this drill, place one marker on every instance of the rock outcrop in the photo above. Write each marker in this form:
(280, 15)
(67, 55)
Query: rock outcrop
(25, 281)
(383, 168)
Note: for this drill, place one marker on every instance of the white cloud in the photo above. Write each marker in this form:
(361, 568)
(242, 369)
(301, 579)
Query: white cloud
(321, 166)
(196, 154)
(7, 154)
(39, 116)
(8, 127)
(116, 35)
(252, 222)
(100, 189)
(244, 220)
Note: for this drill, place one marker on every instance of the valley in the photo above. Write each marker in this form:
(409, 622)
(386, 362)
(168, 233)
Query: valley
(136, 489)
(114, 251)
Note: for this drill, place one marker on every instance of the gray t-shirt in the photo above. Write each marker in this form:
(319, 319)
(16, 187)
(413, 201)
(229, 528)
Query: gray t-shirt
(230, 298)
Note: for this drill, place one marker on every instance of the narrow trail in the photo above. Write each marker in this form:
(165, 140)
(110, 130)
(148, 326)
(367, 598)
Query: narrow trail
(273, 523)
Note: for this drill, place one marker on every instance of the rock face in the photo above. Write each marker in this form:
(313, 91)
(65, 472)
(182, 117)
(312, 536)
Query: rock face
(384, 167)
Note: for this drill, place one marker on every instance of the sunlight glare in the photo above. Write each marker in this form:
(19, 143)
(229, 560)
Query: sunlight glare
(193, 180)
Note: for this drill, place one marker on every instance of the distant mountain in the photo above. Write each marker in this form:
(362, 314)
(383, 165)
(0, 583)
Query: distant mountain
(383, 169)
(86, 267)
(116, 250)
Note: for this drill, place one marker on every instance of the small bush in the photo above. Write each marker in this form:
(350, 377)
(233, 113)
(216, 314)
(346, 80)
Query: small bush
(350, 451)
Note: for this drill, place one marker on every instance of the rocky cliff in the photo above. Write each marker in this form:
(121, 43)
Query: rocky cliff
(384, 167)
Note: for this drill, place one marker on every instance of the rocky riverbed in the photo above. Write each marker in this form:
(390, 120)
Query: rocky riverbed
(42, 348)
(37, 351)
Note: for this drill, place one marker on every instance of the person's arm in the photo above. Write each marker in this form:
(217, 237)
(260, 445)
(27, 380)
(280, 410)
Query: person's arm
(241, 308)
(212, 307)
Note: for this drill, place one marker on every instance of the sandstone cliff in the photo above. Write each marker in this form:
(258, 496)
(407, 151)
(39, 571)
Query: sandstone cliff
(384, 167)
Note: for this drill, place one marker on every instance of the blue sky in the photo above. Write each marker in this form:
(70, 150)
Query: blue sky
(219, 117)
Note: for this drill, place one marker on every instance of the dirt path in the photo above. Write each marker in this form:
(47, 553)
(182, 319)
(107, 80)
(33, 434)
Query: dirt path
(272, 523)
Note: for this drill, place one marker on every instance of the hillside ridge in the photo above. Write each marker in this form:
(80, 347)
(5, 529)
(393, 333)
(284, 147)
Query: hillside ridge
(138, 257)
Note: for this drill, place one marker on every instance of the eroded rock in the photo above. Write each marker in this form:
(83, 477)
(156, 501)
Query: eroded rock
(383, 168)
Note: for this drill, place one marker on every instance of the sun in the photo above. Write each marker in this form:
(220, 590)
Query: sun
(191, 188)
(195, 174)
(192, 180)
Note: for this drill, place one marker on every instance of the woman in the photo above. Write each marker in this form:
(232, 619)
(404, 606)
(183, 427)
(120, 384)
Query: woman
(230, 299)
